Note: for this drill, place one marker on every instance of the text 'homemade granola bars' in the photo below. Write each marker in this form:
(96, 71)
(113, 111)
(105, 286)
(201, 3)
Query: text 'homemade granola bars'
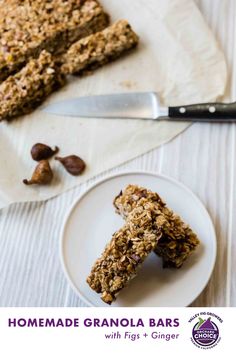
(100, 48)
(27, 27)
(178, 241)
(127, 250)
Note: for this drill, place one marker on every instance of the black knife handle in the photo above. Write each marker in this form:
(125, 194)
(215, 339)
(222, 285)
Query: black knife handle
(223, 112)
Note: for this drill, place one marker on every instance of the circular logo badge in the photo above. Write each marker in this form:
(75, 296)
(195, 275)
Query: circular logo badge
(205, 332)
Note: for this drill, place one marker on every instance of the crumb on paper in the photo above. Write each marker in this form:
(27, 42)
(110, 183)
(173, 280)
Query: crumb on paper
(129, 84)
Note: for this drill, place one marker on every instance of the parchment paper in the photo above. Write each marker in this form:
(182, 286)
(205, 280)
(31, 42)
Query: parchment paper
(178, 57)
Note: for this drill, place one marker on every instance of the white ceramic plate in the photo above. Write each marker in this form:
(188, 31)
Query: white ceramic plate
(92, 221)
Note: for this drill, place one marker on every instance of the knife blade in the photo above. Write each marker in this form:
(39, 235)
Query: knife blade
(141, 105)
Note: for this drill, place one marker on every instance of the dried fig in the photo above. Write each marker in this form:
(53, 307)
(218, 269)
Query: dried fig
(73, 164)
(42, 152)
(42, 174)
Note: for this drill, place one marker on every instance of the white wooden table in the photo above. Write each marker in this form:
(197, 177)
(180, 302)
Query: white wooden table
(203, 158)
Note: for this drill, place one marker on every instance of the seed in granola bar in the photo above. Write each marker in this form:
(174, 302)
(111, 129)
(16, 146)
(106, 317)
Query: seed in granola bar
(42, 152)
(42, 174)
(135, 258)
(73, 164)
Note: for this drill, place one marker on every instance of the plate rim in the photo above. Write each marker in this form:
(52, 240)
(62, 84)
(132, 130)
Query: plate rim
(120, 174)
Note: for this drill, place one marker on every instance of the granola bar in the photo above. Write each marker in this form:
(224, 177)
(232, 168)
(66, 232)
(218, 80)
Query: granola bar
(178, 240)
(99, 48)
(27, 27)
(22, 92)
(127, 250)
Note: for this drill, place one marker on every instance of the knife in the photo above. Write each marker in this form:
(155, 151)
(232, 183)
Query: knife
(141, 105)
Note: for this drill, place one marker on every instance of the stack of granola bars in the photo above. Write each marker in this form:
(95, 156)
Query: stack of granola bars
(149, 226)
(42, 41)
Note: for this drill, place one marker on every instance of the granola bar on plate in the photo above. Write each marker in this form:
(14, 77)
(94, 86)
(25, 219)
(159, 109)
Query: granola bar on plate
(127, 250)
(178, 241)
